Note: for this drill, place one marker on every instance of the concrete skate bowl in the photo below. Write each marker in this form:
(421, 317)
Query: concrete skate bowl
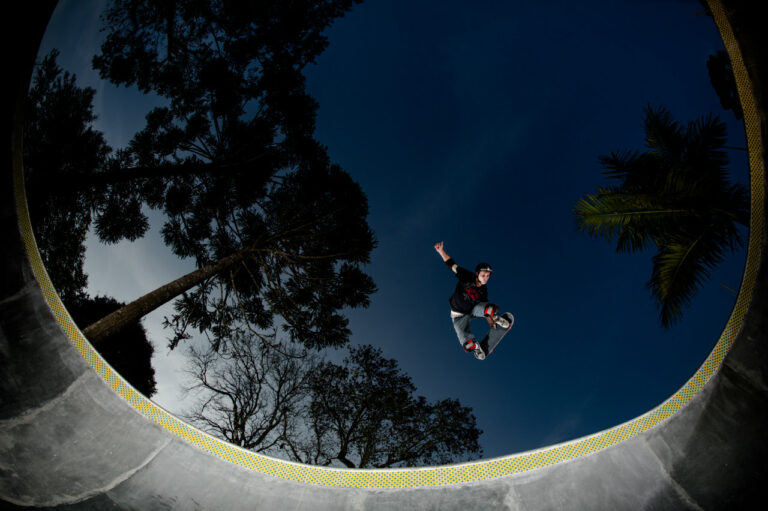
(75, 436)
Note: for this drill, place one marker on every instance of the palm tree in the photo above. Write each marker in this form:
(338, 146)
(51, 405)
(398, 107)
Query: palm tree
(676, 196)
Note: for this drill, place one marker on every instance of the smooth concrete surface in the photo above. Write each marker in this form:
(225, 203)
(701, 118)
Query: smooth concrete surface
(69, 442)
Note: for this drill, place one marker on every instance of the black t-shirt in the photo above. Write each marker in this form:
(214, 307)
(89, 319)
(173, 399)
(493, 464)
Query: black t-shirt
(467, 293)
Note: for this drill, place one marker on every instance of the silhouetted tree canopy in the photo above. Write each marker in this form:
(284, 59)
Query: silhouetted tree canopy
(277, 231)
(360, 413)
(363, 413)
(231, 71)
(251, 392)
(291, 261)
(227, 56)
(131, 353)
(724, 83)
(675, 196)
(60, 145)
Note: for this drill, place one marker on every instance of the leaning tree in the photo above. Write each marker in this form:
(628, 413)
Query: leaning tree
(277, 231)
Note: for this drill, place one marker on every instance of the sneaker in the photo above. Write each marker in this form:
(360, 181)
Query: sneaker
(478, 352)
(501, 321)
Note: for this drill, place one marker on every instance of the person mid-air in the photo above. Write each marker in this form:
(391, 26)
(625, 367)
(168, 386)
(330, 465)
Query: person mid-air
(470, 300)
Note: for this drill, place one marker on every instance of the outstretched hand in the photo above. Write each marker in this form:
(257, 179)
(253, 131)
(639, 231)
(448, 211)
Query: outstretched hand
(440, 250)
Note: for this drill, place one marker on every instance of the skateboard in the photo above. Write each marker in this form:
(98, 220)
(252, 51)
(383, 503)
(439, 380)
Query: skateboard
(495, 335)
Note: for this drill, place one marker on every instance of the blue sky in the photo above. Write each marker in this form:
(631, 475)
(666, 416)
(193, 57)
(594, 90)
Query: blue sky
(480, 124)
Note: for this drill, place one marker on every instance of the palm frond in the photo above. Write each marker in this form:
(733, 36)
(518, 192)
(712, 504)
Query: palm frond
(663, 134)
(636, 220)
(680, 267)
(620, 164)
(640, 172)
(734, 204)
(705, 139)
(676, 195)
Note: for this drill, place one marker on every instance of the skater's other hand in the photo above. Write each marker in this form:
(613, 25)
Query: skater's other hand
(439, 246)
(491, 322)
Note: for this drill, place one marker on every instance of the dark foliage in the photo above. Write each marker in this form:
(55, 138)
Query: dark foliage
(268, 397)
(251, 392)
(131, 352)
(61, 146)
(724, 83)
(363, 414)
(232, 163)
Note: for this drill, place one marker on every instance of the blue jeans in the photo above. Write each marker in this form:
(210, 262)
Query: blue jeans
(462, 323)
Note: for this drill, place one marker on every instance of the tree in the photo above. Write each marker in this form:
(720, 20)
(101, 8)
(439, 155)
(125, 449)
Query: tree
(227, 56)
(131, 354)
(362, 413)
(677, 197)
(231, 72)
(295, 257)
(60, 145)
(724, 83)
(278, 233)
(250, 392)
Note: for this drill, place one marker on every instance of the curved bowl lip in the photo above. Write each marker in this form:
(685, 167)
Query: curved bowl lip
(473, 471)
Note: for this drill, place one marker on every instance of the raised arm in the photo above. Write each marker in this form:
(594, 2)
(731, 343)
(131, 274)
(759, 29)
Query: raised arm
(448, 260)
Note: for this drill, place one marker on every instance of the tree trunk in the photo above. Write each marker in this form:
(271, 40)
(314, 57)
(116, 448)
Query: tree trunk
(114, 322)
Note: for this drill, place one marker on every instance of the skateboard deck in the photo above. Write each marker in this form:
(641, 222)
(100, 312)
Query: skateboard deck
(495, 335)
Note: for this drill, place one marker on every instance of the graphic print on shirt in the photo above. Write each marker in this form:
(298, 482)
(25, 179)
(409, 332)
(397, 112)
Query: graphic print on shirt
(467, 293)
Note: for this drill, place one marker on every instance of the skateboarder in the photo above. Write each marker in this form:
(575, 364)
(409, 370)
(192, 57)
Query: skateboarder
(469, 301)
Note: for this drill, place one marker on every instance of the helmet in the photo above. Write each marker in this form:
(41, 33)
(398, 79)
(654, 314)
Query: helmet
(483, 267)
